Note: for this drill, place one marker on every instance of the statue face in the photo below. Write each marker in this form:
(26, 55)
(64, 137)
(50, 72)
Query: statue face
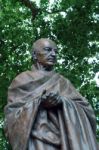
(46, 52)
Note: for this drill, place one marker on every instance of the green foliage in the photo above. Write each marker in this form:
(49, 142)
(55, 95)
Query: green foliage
(72, 24)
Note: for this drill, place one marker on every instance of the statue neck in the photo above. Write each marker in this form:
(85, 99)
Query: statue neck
(43, 68)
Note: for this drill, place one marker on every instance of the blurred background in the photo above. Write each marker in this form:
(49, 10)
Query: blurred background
(72, 24)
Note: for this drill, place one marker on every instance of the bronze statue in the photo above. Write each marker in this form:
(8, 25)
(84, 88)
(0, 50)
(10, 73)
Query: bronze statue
(44, 110)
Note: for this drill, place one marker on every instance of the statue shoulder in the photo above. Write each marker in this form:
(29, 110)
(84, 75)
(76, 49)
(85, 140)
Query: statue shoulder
(20, 79)
(64, 78)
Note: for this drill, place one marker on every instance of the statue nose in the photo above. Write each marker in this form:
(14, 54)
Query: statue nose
(53, 53)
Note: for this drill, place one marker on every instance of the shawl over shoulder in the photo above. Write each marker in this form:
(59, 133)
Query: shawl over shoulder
(76, 117)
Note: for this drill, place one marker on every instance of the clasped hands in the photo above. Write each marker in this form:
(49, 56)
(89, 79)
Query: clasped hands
(51, 99)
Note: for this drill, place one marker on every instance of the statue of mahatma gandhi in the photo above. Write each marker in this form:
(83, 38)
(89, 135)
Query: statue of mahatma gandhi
(44, 110)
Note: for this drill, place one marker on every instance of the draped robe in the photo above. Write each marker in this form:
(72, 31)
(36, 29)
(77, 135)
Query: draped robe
(30, 126)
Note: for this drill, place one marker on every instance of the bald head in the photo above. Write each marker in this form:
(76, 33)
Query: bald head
(43, 42)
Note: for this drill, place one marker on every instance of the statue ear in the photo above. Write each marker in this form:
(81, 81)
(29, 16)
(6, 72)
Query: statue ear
(34, 56)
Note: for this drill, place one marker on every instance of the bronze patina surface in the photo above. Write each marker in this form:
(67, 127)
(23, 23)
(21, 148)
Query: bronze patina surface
(45, 111)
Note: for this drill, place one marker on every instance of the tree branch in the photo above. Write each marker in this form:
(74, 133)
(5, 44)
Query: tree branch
(35, 10)
(55, 11)
(32, 7)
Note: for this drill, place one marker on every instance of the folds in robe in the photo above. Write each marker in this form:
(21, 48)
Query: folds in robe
(30, 126)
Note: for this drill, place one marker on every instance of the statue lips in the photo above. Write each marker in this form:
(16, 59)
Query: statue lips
(51, 59)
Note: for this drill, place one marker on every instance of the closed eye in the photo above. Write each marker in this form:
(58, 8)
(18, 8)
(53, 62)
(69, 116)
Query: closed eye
(47, 48)
(50, 49)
